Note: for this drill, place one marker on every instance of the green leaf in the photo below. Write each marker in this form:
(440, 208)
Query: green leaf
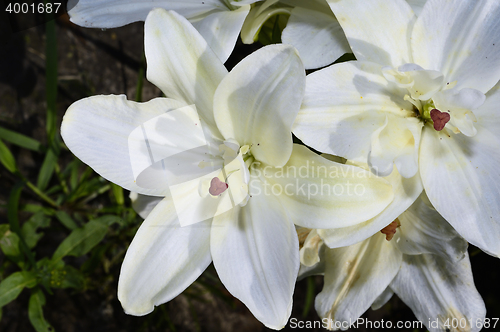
(12, 286)
(20, 140)
(51, 78)
(118, 193)
(35, 312)
(34, 208)
(30, 227)
(7, 159)
(82, 240)
(309, 296)
(47, 169)
(12, 211)
(9, 243)
(66, 220)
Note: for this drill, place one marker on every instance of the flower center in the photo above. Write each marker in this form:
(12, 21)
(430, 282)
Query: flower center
(436, 101)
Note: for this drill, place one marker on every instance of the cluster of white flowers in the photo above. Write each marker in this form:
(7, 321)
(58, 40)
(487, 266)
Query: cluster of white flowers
(215, 173)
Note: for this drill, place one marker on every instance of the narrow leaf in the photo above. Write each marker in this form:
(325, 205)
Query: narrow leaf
(7, 159)
(47, 169)
(118, 193)
(12, 211)
(20, 140)
(66, 220)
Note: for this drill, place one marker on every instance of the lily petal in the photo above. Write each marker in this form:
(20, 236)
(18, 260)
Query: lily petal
(488, 115)
(162, 260)
(316, 35)
(116, 13)
(424, 231)
(221, 30)
(257, 102)
(387, 44)
(344, 105)
(181, 63)
(97, 129)
(406, 191)
(417, 5)
(396, 143)
(382, 299)
(446, 288)
(318, 193)
(461, 40)
(143, 204)
(462, 181)
(256, 253)
(355, 277)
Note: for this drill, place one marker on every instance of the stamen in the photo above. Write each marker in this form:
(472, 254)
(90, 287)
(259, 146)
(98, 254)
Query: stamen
(390, 230)
(439, 118)
(217, 187)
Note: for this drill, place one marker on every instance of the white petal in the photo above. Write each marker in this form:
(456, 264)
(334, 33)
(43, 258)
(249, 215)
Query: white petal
(406, 191)
(319, 193)
(355, 276)
(317, 36)
(169, 148)
(116, 13)
(317, 5)
(181, 63)
(143, 204)
(382, 299)
(193, 201)
(257, 102)
(488, 115)
(460, 103)
(309, 253)
(417, 5)
(343, 105)
(387, 44)
(97, 129)
(462, 180)
(461, 39)
(396, 143)
(221, 30)
(436, 289)
(424, 231)
(256, 253)
(162, 260)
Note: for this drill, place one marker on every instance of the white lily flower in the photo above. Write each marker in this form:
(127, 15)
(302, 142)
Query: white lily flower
(211, 152)
(218, 21)
(413, 99)
(315, 32)
(425, 263)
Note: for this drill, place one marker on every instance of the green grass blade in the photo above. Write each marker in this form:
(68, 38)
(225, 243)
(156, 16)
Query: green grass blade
(309, 296)
(12, 216)
(47, 169)
(20, 140)
(50, 160)
(7, 159)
